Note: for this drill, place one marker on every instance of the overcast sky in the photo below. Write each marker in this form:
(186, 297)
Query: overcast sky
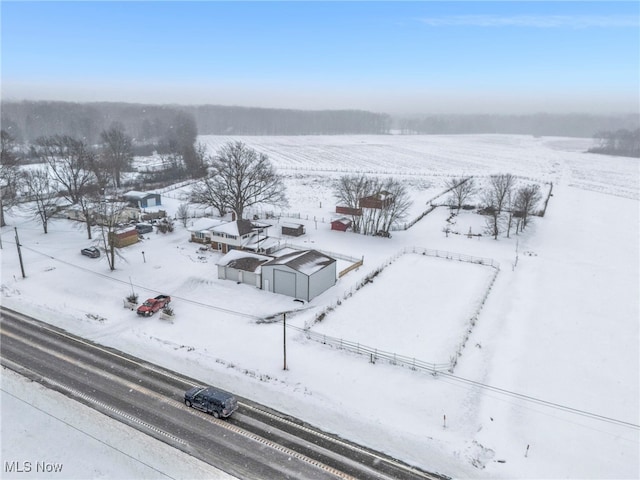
(395, 57)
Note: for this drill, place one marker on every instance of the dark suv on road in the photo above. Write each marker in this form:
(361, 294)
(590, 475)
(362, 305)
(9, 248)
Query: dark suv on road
(218, 403)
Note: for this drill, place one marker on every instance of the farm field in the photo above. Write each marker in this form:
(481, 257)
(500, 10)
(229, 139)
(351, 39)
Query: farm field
(559, 330)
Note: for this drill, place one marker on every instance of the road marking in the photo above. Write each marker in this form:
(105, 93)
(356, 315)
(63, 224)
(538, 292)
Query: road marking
(146, 391)
(222, 423)
(60, 386)
(349, 446)
(275, 446)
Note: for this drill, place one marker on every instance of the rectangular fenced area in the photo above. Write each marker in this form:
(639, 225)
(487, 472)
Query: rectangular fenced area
(418, 307)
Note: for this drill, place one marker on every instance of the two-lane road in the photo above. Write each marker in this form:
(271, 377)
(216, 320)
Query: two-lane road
(255, 443)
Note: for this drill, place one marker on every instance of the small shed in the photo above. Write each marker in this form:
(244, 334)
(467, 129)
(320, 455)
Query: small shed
(242, 267)
(143, 199)
(302, 274)
(124, 238)
(341, 224)
(293, 229)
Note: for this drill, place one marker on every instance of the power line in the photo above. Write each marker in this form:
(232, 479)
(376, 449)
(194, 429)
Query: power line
(474, 383)
(540, 401)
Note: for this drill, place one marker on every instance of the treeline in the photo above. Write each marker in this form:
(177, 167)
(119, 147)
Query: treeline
(221, 120)
(542, 124)
(621, 142)
(29, 120)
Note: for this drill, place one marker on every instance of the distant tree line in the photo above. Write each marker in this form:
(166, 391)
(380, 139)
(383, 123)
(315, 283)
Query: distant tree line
(29, 120)
(221, 120)
(542, 124)
(146, 124)
(621, 142)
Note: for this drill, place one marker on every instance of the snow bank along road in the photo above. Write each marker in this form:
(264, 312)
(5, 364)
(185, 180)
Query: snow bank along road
(255, 443)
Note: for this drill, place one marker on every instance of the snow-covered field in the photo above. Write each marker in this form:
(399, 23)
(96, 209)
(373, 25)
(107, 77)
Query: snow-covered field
(560, 323)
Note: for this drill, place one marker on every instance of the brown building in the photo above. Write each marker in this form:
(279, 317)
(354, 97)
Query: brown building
(379, 200)
(124, 238)
(341, 224)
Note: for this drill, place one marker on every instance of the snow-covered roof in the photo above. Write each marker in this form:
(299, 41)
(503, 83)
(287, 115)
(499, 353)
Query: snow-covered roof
(304, 261)
(139, 195)
(262, 242)
(236, 228)
(243, 260)
(291, 225)
(203, 224)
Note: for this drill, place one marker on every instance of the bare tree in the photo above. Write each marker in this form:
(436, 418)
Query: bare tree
(117, 150)
(460, 189)
(43, 195)
(179, 139)
(502, 185)
(109, 214)
(209, 191)
(9, 173)
(495, 199)
(182, 214)
(394, 205)
(240, 177)
(348, 190)
(396, 209)
(490, 210)
(71, 162)
(526, 200)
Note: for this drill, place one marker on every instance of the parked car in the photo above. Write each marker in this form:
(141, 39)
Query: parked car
(153, 305)
(218, 403)
(92, 252)
(144, 228)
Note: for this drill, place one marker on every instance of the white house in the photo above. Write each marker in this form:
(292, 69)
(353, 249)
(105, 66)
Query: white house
(224, 235)
(200, 229)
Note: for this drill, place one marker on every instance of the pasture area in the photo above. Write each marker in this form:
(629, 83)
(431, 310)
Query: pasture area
(418, 306)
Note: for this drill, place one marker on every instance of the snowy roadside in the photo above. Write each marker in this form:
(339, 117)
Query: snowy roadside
(46, 435)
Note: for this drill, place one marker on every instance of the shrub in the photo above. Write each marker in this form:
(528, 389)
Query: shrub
(132, 298)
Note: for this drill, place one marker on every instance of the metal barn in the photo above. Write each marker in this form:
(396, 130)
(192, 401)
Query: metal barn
(303, 274)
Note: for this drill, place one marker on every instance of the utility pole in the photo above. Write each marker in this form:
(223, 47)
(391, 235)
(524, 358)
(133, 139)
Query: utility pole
(284, 323)
(19, 253)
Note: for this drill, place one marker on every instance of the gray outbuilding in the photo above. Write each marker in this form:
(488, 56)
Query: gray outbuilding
(302, 274)
(242, 267)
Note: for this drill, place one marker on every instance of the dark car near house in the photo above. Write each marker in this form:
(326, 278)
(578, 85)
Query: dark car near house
(144, 228)
(91, 252)
(211, 400)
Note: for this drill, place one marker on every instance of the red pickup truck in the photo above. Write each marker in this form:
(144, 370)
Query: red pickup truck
(152, 305)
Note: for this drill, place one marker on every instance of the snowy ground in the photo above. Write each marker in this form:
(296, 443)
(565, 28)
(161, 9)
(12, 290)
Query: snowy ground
(560, 323)
(48, 435)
